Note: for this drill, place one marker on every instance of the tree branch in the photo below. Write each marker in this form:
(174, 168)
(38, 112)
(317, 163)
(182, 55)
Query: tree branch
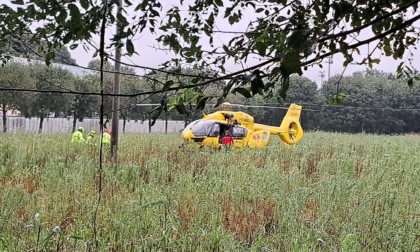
(333, 36)
(367, 41)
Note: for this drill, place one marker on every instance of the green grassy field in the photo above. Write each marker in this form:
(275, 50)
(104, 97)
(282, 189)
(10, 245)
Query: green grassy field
(331, 192)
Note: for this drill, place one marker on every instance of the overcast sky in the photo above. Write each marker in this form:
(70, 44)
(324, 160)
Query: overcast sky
(149, 56)
(152, 57)
(145, 44)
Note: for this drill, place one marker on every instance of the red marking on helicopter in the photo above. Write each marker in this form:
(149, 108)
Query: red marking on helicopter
(256, 137)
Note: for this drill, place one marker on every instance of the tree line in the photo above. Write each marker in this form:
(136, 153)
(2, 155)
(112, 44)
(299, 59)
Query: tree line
(42, 105)
(368, 101)
(372, 101)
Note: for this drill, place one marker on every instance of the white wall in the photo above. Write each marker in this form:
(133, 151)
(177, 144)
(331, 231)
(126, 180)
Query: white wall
(63, 125)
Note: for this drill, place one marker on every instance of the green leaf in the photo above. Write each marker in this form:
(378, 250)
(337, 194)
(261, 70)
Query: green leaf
(154, 13)
(410, 82)
(154, 115)
(164, 103)
(202, 103)
(227, 88)
(195, 80)
(219, 3)
(298, 39)
(181, 109)
(219, 101)
(210, 20)
(17, 2)
(290, 64)
(233, 19)
(167, 85)
(128, 2)
(129, 46)
(74, 12)
(123, 20)
(67, 38)
(61, 18)
(275, 71)
(40, 48)
(173, 101)
(261, 47)
(337, 100)
(227, 12)
(257, 86)
(284, 87)
(74, 46)
(243, 91)
(268, 86)
(84, 4)
(375, 61)
(281, 19)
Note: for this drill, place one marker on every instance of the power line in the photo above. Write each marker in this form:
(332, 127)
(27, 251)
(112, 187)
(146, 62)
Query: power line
(271, 106)
(162, 70)
(160, 91)
(366, 107)
(151, 92)
(122, 63)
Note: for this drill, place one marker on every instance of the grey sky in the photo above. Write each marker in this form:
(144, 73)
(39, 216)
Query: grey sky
(150, 56)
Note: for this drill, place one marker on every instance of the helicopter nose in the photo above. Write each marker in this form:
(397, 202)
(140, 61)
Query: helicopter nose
(187, 134)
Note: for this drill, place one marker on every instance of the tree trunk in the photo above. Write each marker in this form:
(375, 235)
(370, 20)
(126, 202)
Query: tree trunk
(166, 123)
(150, 126)
(185, 121)
(4, 118)
(41, 122)
(124, 122)
(74, 121)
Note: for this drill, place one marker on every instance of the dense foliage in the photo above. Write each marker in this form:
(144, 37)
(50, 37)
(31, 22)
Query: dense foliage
(276, 38)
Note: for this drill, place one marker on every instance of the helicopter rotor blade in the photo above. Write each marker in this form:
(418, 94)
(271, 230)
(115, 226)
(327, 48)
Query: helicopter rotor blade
(259, 106)
(232, 105)
(208, 104)
(146, 104)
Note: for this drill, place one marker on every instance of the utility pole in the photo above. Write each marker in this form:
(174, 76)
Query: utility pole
(322, 75)
(330, 61)
(116, 90)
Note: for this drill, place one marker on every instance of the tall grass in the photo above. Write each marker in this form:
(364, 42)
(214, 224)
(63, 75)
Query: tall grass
(330, 192)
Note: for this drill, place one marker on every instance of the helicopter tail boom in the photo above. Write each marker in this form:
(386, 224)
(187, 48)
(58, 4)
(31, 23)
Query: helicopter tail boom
(290, 130)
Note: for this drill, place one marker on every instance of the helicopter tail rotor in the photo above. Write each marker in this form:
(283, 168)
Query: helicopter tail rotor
(290, 127)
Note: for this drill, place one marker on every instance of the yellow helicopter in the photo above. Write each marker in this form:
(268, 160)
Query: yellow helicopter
(238, 129)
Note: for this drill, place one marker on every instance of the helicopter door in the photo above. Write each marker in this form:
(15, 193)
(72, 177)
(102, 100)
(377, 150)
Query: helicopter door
(212, 138)
(239, 135)
(259, 139)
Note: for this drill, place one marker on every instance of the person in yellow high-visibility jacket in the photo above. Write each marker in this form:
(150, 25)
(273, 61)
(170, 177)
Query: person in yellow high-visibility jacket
(78, 136)
(91, 136)
(106, 138)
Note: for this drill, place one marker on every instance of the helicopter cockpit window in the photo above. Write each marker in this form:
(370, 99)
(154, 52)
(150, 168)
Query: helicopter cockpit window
(239, 132)
(202, 128)
(189, 126)
(215, 130)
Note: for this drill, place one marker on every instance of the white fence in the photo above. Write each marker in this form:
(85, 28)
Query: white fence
(64, 125)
